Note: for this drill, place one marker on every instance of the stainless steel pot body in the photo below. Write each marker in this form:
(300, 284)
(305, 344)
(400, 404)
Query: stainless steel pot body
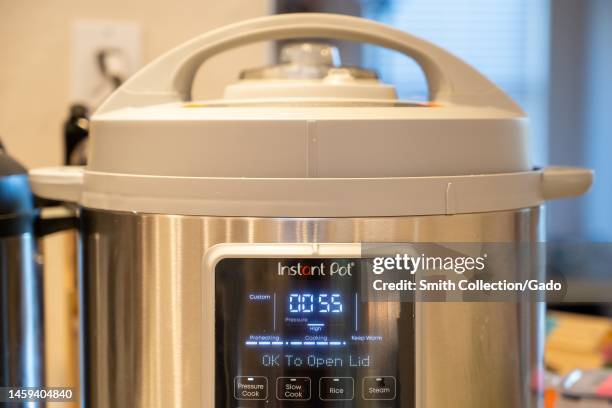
(141, 282)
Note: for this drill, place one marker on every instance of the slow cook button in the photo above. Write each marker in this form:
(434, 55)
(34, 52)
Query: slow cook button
(250, 388)
(336, 388)
(293, 388)
(379, 388)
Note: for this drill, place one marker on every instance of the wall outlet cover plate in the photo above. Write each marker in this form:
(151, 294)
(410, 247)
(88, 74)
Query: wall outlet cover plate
(89, 39)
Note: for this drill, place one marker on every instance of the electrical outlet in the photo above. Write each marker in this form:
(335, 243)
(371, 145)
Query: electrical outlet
(104, 53)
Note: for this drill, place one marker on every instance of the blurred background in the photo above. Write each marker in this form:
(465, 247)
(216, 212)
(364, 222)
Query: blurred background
(61, 58)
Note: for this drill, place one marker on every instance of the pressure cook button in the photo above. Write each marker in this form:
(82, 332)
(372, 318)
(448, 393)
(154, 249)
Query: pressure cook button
(379, 388)
(250, 388)
(293, 388)
(336, 388)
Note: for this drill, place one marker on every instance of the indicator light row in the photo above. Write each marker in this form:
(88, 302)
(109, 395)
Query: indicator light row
(295, 343)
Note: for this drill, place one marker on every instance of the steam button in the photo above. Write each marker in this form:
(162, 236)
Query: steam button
(250, 388)
(379, 388)
(336, 388)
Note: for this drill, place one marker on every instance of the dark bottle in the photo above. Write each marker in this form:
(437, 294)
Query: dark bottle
(76, 129)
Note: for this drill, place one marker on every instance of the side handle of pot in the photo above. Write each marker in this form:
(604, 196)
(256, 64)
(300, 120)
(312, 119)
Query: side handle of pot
(563, 182)
(61, 183)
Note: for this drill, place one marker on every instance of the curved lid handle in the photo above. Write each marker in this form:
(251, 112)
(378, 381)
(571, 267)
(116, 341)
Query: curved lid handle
(170, 77)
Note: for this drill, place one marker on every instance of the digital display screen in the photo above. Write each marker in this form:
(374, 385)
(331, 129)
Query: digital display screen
(297, 332)
(309, 304)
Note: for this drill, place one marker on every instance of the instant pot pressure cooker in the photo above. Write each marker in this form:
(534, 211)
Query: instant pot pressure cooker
(219, 238)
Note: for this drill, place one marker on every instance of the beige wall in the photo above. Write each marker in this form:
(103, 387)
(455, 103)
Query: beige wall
(34, 99)
(35, 57)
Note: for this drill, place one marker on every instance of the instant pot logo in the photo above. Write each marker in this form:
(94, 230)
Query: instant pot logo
(335, 268)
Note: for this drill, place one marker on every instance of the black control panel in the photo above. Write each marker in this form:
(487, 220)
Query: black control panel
(299, 333)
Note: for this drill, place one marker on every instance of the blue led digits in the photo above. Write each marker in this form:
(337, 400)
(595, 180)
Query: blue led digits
(308, 303)
(324, 303)
(336, 304)
(294, 303)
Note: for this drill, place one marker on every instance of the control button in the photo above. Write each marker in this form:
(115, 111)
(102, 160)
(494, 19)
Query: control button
(336, 388)
(250, 388)
(379, 388)
(293, 388)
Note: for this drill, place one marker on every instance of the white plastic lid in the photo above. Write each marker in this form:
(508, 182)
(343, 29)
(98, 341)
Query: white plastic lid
(336, 130)
(308, 117)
